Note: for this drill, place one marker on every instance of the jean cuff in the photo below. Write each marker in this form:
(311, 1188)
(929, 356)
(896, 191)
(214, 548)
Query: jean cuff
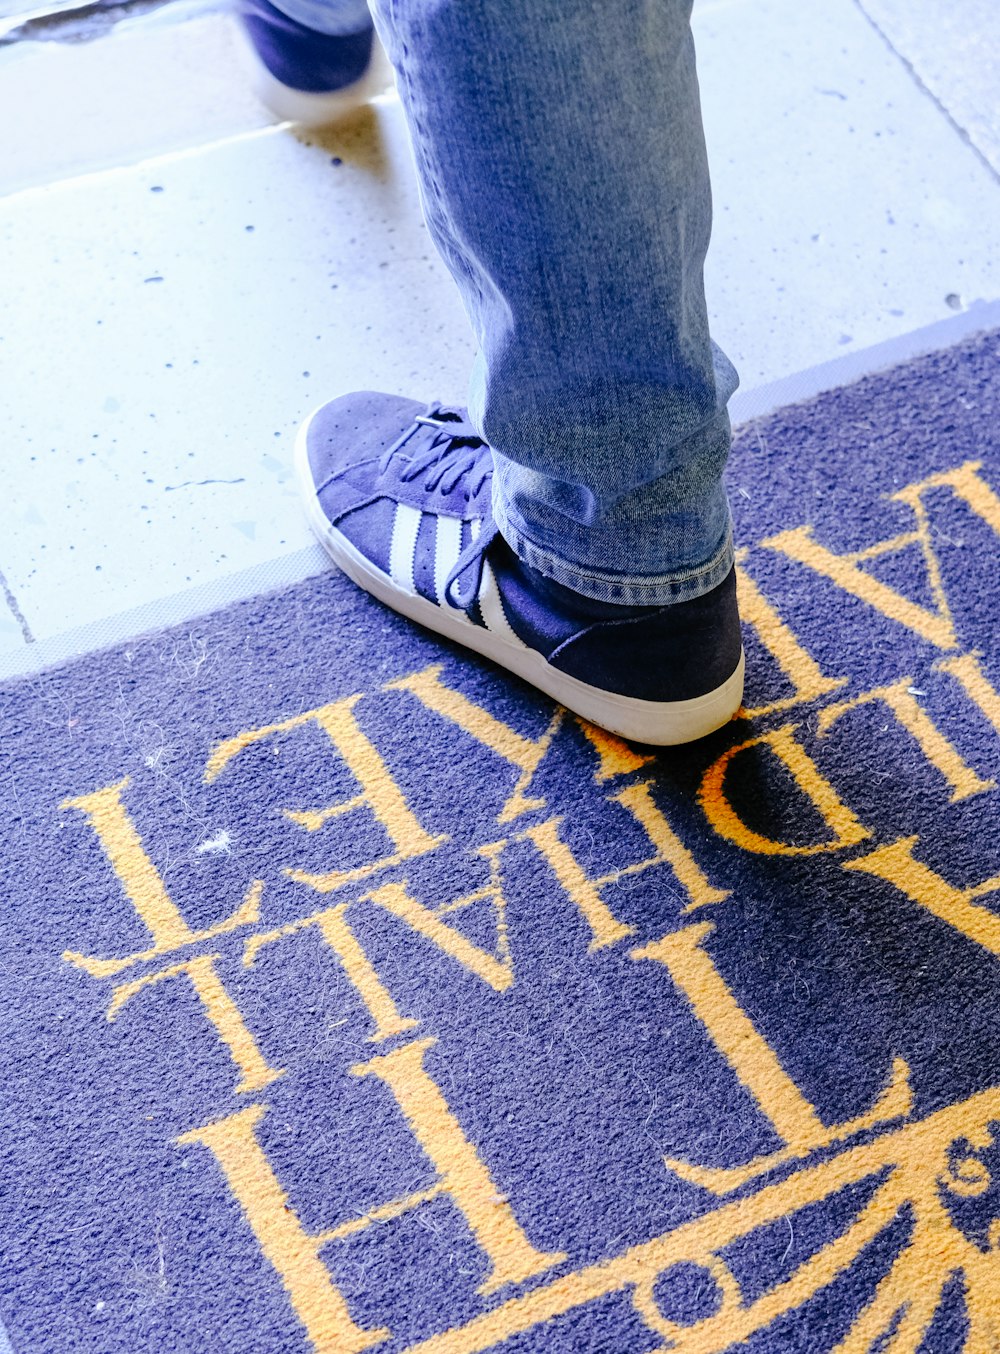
(624, 589)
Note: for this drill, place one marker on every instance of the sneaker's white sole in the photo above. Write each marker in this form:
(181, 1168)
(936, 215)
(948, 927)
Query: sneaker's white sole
(663, 723)
(301, 106)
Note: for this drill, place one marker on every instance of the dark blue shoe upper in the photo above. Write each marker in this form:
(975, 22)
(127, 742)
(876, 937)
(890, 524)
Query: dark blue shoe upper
(301, 58)
(410, 487)
(667, 653)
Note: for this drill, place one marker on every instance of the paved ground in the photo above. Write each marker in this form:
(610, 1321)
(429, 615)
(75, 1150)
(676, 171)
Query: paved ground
(183, 280)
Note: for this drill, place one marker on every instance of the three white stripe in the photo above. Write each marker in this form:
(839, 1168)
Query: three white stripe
(447, 548)
(403, 547)
(491, 607)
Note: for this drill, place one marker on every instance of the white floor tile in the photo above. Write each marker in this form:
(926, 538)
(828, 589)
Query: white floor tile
(847, 208)
(164, 328)
(954, 50)
(157, 84)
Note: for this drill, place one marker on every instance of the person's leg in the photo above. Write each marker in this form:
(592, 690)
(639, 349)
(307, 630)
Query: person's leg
(575, 530)
(564, 179)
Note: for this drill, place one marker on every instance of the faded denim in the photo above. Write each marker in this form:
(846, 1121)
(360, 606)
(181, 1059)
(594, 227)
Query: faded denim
(564, 179)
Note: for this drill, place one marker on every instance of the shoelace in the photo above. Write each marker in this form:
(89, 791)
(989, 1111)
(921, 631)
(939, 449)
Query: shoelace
(455, 452)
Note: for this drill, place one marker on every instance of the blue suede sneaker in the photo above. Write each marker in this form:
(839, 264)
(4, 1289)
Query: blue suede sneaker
(305, 76)
(399, 494)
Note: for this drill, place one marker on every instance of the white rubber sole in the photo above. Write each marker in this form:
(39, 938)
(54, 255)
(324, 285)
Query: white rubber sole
(662, 723)
(303, 107)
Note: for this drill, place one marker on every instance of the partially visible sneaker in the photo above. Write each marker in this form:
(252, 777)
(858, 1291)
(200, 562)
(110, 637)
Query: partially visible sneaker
(304, 76)
(399, 495)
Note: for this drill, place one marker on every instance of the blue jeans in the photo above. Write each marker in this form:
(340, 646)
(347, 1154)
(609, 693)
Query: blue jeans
(564, 180)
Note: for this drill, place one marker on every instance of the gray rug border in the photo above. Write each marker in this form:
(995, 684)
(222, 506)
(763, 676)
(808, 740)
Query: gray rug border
(980, 317)
(299, 565)
(164, 612)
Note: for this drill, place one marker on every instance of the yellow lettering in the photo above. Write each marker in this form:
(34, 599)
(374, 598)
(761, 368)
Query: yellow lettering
(897, 865)
(293, 1253)
(907, 1171)
(965, 483)
(669, 849)
(747, 1053)
(123, 847)
(379, 792)
(941, 754)
(615, 757)
(934, 625)
(605, 928)
(496, 970)
(967, 672)
(845, 827)
(523, 753)
(460, 1171)
(333, 926)
(585, 893)
(144, 886)
(497, 973)
(799, 667)
(756, 1065)
(221, 1010)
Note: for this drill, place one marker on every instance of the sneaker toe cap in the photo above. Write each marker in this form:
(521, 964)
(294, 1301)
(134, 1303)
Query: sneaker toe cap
(349, 433)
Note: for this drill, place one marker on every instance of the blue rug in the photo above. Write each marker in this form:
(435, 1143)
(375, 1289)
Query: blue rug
(354, 997)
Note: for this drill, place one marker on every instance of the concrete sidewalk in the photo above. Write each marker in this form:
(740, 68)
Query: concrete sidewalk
(183, 280)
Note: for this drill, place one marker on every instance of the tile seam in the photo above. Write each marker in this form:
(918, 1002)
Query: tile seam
(18, 614)
(926, 90)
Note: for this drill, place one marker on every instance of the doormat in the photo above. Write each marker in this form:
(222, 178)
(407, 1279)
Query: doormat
(354, 997)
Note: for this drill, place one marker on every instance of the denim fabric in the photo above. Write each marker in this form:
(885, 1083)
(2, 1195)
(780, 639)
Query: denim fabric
(564, 180)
